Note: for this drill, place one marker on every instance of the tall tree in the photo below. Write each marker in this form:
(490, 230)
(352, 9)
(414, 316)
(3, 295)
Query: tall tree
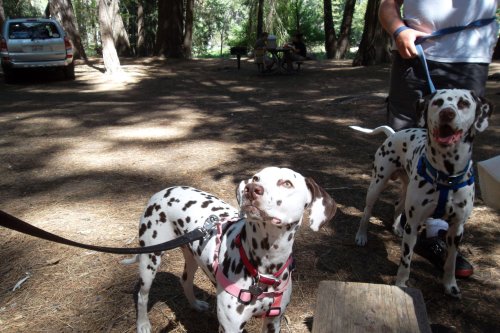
(342, 42)
(141, 32)
(120, 36)
(169, 37)
(187, 44)
(496, 53)
(260, 18)
(375, 42)
(109, 54)
(63, 10)
(330, 36)
(2, 16)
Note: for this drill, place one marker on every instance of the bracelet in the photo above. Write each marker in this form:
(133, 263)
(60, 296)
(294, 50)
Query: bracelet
(396, 33)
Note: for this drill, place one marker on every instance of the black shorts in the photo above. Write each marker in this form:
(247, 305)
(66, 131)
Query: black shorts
(409, 83)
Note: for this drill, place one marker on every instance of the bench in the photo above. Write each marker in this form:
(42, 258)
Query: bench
(238, 51)
(349, 307)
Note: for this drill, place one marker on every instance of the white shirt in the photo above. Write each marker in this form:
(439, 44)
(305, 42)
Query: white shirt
(470, 45)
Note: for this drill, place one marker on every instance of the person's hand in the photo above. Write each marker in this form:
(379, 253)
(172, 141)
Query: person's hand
(405, 42)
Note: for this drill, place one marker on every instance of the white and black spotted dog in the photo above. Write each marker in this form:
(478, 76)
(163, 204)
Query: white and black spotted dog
(435, 167)
(248, 259)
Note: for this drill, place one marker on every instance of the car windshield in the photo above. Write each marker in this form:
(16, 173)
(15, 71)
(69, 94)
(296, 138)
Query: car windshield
(33, 30)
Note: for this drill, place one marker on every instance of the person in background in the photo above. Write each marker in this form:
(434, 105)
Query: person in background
(261, 54)
(456, 60)
(298, 50)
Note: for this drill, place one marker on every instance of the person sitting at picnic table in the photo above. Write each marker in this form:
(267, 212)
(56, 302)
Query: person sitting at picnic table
(298, 50)
(261, 55)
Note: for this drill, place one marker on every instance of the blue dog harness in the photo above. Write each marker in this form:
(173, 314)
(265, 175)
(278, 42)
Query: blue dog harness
(443, 182)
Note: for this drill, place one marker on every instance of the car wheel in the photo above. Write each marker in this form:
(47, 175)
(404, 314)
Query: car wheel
(69, 71)
(8, 74)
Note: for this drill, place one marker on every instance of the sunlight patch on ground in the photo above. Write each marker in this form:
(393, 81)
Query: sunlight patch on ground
(146, 133)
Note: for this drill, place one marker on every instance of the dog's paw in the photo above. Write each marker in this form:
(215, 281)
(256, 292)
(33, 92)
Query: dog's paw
(200, 306)
(361, 239)
(453, 291)
(401, 283)
(143, 327)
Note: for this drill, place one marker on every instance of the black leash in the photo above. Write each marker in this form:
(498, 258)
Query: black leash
(11, 222)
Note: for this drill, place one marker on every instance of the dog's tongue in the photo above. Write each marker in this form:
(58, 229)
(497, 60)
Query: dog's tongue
(446, 136)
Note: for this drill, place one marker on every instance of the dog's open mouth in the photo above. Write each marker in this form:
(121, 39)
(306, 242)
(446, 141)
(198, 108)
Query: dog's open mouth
(255, 212)
(446, 135)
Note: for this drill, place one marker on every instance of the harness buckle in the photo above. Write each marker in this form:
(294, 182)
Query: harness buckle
(245, 296)
(273, 312)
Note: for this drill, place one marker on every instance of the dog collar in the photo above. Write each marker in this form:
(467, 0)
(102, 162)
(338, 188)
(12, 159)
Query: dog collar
(444, 182)
(270, 280)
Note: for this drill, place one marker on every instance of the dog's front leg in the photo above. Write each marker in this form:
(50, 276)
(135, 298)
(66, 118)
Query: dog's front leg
(409, 240)
(453, 238)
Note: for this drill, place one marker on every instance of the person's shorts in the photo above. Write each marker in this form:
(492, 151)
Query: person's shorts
(409, 83)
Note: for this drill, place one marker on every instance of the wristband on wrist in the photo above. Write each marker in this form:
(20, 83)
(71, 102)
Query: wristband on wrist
(396, 33)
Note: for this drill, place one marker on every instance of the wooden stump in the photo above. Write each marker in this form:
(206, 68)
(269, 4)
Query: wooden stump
(345, 307)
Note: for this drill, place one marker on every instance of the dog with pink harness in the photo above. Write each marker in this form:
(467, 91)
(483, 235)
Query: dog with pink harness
(246, 253)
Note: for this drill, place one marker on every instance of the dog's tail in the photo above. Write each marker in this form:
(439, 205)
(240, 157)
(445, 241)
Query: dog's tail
(381, 129)
(131, 260)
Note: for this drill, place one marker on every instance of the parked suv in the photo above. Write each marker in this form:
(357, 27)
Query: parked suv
(35, 43)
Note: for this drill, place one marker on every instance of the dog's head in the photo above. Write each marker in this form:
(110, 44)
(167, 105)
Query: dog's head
(280, 196)
(453, 115)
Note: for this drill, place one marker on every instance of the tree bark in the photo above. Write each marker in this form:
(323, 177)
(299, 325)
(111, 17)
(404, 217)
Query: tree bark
(188, 30)
(330, 37)
(170, 23)
(109, 54)
(260, 18)
(375, 42)
(2, 16)
(63, 10)
(496, 53)
(141, 32)
(120, 36)
(342, 43)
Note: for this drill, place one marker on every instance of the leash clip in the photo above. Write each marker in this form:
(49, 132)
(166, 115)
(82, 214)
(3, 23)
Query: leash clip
(209, 225)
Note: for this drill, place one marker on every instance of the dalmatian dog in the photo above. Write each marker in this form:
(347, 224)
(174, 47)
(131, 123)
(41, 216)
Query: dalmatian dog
(246, 255)
(435, 168)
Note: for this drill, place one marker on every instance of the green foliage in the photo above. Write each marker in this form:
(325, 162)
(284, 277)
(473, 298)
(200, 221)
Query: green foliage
(23, 8)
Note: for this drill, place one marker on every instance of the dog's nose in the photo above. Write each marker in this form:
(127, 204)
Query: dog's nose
(253, 191)
(447, 115)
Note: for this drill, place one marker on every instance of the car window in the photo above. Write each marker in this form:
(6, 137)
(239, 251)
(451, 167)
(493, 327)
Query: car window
(33, 30)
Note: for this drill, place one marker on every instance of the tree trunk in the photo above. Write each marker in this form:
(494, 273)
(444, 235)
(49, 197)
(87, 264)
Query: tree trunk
(342, 43)
(496, 53)
(141, 33)
(188, 30)
(109, 55)
(375, 42)
(63, 10)
(120, 36)
(260, 18)
(170, 24)
(330, 37)
(2, 16)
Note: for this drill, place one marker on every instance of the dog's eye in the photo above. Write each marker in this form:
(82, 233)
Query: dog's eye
(438, 102)
(462, 104)
(285, 183)
(255, 178)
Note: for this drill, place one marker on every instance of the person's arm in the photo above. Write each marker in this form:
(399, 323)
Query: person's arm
(390, 18)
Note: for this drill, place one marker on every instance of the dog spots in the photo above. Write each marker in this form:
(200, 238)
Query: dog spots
(240, 308)
(163, 217)
(462, 204)
(430, 191)
(270, 328)
(422, 183)
(214, 209)
(141, 243)
(278, 203)
(243, 325)
(410, 212)
(408, 228)
(264, 243)
(457, 240)
(184, 274)
(167, 193)
(150, 209)
(425, 202)
(154, 234)
(450, 167)
(255, 246)
(142, 229)
(188, 204)
(206, 203)
(402, 262)
(407, 247)
(180, 223)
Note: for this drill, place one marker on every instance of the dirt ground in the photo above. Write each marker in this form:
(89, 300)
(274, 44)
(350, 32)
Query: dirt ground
(81, 159)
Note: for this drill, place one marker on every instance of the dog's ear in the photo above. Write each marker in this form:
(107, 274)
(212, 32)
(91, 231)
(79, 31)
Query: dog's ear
(239, 191)
(421, 106)
(484, 109)
(322, 206)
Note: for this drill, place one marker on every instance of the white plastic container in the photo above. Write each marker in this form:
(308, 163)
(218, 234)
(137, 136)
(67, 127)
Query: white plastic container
(489, 181)
(271, 42)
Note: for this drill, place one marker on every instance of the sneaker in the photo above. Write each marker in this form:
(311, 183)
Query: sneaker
(434, 250)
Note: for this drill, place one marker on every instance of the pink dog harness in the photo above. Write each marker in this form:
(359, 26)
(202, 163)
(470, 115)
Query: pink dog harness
(255, 291)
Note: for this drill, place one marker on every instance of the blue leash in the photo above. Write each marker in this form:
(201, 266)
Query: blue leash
(439, 33)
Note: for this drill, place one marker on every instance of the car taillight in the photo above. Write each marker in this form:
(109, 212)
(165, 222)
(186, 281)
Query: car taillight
(69, 47)
(3, 45)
